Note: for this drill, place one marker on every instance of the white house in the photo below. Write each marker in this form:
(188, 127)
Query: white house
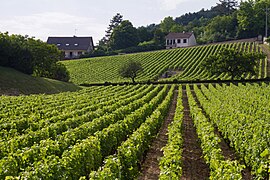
(175, 40)
(74, 46)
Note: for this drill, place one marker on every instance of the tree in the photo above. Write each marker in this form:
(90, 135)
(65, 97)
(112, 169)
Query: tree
(31, 56)
(167, 24)
(159, 37)
(130, 70)
(221, 28)
(124, 36)
(251, 18)
(227, 6)
(144, 34)
(114, 22)
(177, 28)
(233, 62)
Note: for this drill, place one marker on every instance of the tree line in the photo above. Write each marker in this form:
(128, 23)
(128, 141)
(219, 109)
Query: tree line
(32, 57)
(227, 20)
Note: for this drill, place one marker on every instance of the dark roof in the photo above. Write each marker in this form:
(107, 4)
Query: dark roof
(72, 43)
(179, 35)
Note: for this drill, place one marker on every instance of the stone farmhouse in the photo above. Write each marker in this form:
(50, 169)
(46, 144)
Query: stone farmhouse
(176, 40)
(74, 46)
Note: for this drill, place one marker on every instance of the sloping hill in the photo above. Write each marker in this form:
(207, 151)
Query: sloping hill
(13, 82)
(185, 62)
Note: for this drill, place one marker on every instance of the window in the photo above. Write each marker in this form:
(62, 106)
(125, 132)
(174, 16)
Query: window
(168, 42)
(58, 44)
(79, 53)
(76, 44)
(184, 40)
(178, 41)
(67, 44)
(174, 41)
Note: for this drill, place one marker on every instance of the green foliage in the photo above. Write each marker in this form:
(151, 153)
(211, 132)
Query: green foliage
(31, 56)
(220, 28)
(130, 70)
(124, 165)
(124, 36)
(114, 22)
(171, 162)
(240, 114)
(251, 18)
(219, 167)
(233, 62)
(166, 24)
(66, 145)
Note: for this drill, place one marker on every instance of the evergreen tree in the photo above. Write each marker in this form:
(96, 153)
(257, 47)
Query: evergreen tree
(114, 22)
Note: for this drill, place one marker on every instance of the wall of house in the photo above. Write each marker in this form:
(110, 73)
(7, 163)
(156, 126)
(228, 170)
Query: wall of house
(175, 43)
(180, 42)
(192, 40)
(73, 54)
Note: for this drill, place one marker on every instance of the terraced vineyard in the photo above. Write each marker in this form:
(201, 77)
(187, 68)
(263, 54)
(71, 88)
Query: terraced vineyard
(185, 61)
(105, 132)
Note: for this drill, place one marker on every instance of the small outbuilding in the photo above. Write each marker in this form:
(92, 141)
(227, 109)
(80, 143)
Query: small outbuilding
(175, 40)
(73, 47)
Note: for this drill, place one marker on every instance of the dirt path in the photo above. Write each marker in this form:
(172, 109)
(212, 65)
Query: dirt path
(228, 152)
(150, 165)
(194, 166)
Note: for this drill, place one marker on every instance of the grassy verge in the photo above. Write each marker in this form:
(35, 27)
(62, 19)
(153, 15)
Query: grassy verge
(13, 82)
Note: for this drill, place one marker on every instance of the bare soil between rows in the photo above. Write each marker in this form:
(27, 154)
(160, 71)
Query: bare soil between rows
(150, 165)
(194, 166)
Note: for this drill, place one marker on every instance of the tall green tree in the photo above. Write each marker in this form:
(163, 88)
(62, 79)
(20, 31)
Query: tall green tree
(124, 36)
(114, 22)
(233, 62)
(221, 28)
(251, 18)
(166, 24)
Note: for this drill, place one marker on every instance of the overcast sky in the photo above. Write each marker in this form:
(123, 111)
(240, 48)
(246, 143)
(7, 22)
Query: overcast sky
(43, 18)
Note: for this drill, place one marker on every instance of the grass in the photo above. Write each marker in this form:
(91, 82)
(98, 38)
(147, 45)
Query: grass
(13, 82)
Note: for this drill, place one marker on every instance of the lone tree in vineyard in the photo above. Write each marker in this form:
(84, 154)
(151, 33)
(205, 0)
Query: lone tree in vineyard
(233, 62)
(130, 70)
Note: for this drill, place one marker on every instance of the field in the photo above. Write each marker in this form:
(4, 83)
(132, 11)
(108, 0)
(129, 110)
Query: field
(188, 131)
(105, 132)
(186, 62)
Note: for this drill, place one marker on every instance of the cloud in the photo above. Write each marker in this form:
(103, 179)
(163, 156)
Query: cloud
(171, 4)
(46, 24)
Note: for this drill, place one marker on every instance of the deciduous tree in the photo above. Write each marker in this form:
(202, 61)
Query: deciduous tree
(124, 36)
(233, 62)
(130, 70)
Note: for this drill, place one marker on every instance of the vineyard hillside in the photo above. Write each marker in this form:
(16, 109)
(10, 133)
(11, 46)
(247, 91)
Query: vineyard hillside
(13, 82)
(106, 132)
(178, 64)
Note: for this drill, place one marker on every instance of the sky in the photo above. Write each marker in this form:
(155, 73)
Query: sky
(44, 18)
